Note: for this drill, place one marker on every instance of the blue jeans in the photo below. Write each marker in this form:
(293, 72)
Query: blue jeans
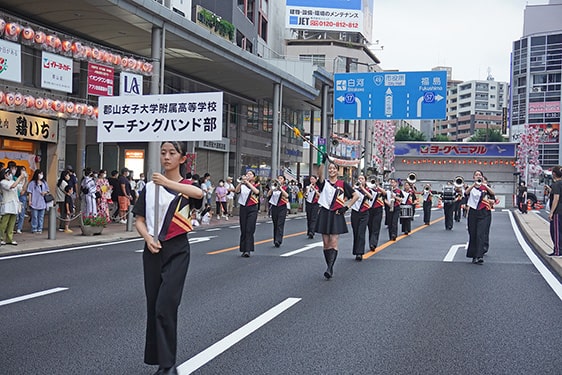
(21, 215)
(37, 220)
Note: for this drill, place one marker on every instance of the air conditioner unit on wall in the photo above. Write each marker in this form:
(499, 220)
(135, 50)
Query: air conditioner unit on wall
(536, 89)
(182, 7)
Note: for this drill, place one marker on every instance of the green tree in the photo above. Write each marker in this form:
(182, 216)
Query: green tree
(440, 138)
(494, 135)
(407, 133)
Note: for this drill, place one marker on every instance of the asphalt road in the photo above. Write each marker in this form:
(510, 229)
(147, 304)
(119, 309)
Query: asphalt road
(414, 307)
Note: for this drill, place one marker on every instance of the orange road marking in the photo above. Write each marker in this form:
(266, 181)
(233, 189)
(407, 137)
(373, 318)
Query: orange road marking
(255, 243)
(388, 243)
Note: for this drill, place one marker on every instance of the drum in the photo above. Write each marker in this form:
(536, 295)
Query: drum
(406, 211)
(448, 194)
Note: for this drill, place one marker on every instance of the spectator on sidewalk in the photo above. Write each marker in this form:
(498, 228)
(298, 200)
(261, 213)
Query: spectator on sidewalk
(220, 193)
(22, 196)
(115, 188)
(522, 197)
(555, 215)
(103, 194)
(37, 189)
(10, 206)
(230, 196)
(60, 199)
(124, 197)
(69, 208)
(88, 188)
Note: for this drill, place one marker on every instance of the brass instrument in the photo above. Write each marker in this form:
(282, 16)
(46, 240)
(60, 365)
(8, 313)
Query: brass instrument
(478, 182)
(426, 188)
(458, 182)
(411, 178)
(274, 185)
(241, 179)
(358, 184)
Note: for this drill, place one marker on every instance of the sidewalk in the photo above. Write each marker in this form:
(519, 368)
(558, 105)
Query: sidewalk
(535, 229)
(537, 233)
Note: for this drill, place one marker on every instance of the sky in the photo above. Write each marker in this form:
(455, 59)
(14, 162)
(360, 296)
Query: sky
(468, 35)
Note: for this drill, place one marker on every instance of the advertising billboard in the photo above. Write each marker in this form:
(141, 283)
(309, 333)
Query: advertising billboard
(330, 15)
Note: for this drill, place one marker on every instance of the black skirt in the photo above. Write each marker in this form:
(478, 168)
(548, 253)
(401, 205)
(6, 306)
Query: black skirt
(330, 223)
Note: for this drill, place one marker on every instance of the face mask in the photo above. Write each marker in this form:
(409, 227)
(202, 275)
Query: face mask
(40, 176)
(221, 184)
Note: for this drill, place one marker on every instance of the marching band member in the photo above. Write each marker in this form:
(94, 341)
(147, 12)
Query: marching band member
(375, 216)
(491, 200)
(360, 217)
(427, 199)
(249, 190)
(408, 199)
(312, 194)
(477, 217)
(448, 199)
(393, 199)
(336, 196)
(278, 198)
(459, 194)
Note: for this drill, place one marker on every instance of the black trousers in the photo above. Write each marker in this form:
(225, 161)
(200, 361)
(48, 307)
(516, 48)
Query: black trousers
(448, 211)
(406, 225)
(278, 215)
(164, 278)
(311, 216)
(427, 211)
(248, 219)
(477, 232)
(393, 217)
(374, 225)
(457, 211)
(359, 221)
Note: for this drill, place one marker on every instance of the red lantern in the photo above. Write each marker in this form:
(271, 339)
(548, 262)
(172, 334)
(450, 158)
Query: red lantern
(2, 26)
(132, 63)
(96, 53)
(69, 107)
(56, 105)
(54, 42)
(108, 58)
(9, 98)
(116, 60)
(77, 49)
(95, 112)
(12, 30)
(79, 109)
(48, 106)
(39, 103)
(90, 110)
(124, 62)
(40, 37)
(2, 96)
(28, 101)
(66, 46)
(28, 34)
(18, 99)
(87, 52)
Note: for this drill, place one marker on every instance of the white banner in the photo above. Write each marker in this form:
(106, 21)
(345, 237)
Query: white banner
(56, 72)
(154, 118)
(10, 61)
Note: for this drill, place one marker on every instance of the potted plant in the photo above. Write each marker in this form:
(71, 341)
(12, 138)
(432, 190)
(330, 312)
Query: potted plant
(93, 224)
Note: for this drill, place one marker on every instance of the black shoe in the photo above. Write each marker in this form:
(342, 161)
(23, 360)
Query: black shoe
(373, 248)
(553, 254)
(310, 236)
(479, 260)
(168, 371)
(393, 238)
(245, 254)
(359, 257)
(473, 260)
(276, 244)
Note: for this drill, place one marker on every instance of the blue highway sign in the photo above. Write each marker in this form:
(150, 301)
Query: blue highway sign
(390, 95)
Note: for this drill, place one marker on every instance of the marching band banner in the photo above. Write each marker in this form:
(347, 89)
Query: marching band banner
(154, 118)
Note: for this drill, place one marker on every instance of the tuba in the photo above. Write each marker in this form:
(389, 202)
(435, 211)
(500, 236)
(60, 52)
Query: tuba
(459, 182)
(411, 178)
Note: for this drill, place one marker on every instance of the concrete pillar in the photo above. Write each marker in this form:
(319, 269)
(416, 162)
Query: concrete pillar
(275, 133)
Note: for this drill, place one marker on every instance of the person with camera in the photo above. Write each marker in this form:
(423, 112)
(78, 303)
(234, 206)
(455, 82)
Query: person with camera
(278, 198)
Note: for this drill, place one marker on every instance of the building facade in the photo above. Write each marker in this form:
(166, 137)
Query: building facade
(536, 80)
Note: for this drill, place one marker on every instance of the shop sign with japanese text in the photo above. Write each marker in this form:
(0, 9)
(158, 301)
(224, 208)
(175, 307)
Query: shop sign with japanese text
(328, 15)
(438, 149)
(28, 128)
(100, 80)
(154, 118)
(56, 72)
(10, 61)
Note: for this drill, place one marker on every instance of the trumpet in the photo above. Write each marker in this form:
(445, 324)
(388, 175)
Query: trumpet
(426, 188)
(459, 181)
(358, 184)
(274, 185)
(241, 179)
(411, 178)
(478, 182)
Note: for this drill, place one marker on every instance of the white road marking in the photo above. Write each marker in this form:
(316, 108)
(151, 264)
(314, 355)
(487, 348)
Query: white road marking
(551, 280)
(32, 295)
(68, 249)
(305, 248)
(221, 346)
(235, 227)
(212, 229)
(452, 252)
(192, 240)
